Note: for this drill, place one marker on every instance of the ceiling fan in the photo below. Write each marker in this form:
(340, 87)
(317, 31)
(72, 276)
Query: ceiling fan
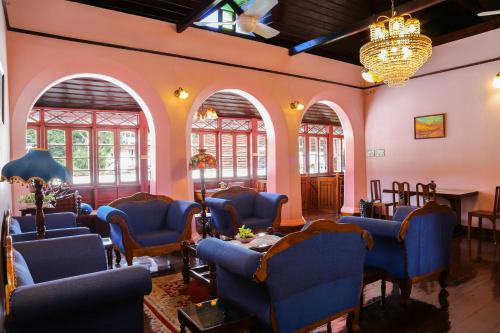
(489, 13)
(249, 20)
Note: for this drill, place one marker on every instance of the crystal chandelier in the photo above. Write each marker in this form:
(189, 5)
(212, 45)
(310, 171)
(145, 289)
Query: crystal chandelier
(206, 113)
(396, 49)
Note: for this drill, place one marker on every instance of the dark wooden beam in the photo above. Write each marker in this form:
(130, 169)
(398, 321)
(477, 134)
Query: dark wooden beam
(409, 7)
(205, 7)
(237, 9)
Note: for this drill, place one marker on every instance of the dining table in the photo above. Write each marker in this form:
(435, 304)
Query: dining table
(454, 197)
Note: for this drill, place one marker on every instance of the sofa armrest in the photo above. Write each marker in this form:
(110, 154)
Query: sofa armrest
(57, 258)
(120, 229)
(234, 258)
(54, 233)
(268, 205)
(180, 214)
(224, 216)
(78, 294)
(376, 227)
(402, 212)
(52, 221)
(218, 204)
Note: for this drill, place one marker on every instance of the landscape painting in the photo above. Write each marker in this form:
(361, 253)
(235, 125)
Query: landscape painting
(428, 127)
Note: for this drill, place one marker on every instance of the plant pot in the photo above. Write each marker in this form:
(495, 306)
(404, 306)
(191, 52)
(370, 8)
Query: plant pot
(244, 240)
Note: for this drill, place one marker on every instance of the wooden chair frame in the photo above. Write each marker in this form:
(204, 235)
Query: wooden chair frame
(426, 193)
(134, 249)
(492, 216)
(400, 194)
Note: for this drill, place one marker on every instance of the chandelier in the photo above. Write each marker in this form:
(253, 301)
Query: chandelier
(206, 113)
(396, 49)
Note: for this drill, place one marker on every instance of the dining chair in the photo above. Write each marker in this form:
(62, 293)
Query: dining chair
(400, 194)
(425, 193)
(376, 198)
(491, 215)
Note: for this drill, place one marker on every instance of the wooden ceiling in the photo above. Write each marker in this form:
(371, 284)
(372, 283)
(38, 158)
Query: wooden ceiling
(304, 20)
(88, 93)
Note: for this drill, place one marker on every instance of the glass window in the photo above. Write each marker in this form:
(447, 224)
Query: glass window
(195, 145)
(128, 157)
(302, 154)
(227, 155)
(313, 155)
(31, 138)
(56, 143)
(261, 155)
(81, 156)
(242, 155)
(227, 16)
(210, 144)
(338, 154)
(323, 155)
(106, 156)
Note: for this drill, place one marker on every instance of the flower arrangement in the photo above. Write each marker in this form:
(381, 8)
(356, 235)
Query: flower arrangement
(29, 199)
(245, 235)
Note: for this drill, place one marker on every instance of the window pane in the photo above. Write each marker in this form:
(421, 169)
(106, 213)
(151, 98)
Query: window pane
(106, 157)
(313, 155)
(242, 155)
(227, 155)
(31, 138)
(128, 156)
(323, 155)
(210, 144)
(127, 138)
(337, 154)
(81, 156)
(302, 154)
(227, 16)
(56, 140)
(261, 155)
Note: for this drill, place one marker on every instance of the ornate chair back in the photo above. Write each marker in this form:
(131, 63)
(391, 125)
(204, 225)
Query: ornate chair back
(400, 194)
(425, 193)
(375, 190)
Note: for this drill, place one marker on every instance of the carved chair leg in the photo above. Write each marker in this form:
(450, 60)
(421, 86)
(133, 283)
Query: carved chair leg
(353, 321)
(443, 277)
(118, 257)
(480, 219)
(469, 226)
(382, 290)
(329, 327)
(494, 222)
(405, 287)
(130, 258)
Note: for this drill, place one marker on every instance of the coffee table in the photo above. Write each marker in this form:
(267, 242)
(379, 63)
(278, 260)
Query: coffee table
(213, 316)
(205, 272)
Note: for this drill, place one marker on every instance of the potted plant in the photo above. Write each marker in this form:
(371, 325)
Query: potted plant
(245, 235)
(28, 200)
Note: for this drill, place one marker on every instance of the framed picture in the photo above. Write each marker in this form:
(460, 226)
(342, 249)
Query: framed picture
(2, 90)
(429, 127)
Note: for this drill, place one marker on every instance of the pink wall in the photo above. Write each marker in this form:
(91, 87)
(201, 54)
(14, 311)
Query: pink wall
(155, 77)
(468, 157)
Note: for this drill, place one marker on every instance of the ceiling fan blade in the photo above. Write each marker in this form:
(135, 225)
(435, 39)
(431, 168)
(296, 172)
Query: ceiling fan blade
(491, 12)
(265, 31)
(204, 24)
(260, 8)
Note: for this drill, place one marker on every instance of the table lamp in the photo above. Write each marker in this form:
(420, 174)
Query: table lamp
(36, 169)
(202, 161)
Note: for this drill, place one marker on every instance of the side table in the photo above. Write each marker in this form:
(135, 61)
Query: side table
(213, 316)
(204, 273)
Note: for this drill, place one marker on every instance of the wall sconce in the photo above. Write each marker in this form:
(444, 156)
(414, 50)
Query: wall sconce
(296, 105)
(496, 81)
(181, 93)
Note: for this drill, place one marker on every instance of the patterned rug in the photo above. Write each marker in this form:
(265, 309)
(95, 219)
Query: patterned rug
(170, 293)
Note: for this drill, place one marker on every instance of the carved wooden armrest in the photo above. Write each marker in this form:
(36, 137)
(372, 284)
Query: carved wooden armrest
(186, 233)
(277, 219)
(128, 241)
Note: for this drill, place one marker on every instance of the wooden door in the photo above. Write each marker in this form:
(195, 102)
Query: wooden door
(328, 194)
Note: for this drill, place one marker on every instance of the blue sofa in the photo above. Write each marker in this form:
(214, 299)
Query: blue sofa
(23, 228)
(305, 280)
(148, 225)
(237, 206)
(415, 246)
(63, 285)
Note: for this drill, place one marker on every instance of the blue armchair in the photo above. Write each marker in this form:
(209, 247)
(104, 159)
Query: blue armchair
(148, 225)
(305, 280)
(63, 285)
(23, 228)
(415, 246)
(237, 206)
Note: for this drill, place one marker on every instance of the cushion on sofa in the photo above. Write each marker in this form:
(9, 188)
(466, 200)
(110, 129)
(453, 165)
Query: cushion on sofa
(23, 275)
(158, 237)
(256, 223)
(15, 227)
(86, 209)
(152, 215)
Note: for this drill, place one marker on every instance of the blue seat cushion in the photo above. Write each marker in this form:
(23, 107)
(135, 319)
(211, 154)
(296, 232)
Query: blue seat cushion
(244, 202)
(15, 227)
(86, 209)
(23, 274)
(146, 217)
(256, 223)
(158, 237)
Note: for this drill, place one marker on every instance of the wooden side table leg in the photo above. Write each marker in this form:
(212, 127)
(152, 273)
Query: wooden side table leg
(185, 260)
(213, 280)
(109, 254)
(118, 257)
(181, 322)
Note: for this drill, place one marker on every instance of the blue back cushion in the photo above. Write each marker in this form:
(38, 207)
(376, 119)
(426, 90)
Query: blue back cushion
(316, 278)
(147, 216)
(86, 209)
(244, 203)
(428, 242)
(15, 227)
(23, 275)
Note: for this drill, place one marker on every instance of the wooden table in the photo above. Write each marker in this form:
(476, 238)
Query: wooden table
(32, 210)
(454, 196)
(213, 316)
(208, 194)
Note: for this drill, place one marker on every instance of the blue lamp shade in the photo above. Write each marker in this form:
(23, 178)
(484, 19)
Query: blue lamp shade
(37, 164)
